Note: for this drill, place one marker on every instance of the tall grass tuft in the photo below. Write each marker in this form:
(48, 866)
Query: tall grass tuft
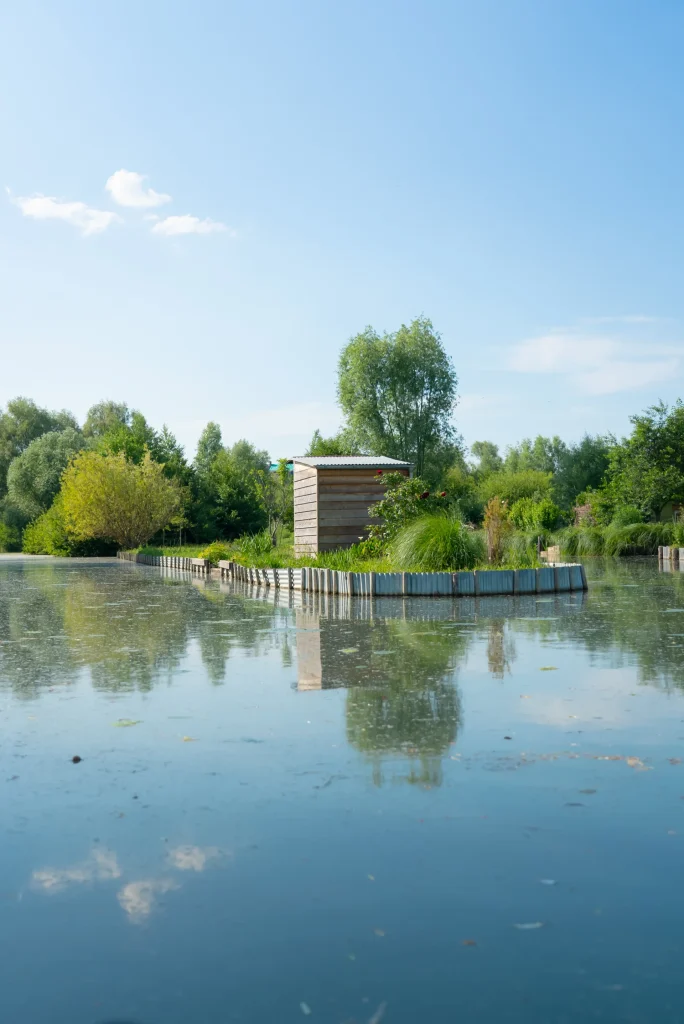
(435, 543)
(614, 540)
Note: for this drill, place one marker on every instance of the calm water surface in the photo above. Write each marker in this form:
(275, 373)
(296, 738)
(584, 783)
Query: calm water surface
(427, 810)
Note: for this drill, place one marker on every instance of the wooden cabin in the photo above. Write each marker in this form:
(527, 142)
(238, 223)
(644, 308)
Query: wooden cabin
(332, 495)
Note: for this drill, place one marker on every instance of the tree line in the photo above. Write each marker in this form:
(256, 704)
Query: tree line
(117, 481)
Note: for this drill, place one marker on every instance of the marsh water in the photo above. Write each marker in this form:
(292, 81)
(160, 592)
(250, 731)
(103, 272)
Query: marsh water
(420, 810)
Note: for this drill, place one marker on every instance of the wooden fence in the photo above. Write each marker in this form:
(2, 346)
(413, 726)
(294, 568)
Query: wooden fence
(482, 582)
(674, 555)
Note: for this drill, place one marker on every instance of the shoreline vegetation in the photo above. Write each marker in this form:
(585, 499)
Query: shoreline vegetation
(117, 483)
(573, 542)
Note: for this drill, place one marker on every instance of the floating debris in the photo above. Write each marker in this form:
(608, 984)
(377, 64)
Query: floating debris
(76, 759)
(469, 942)
(547, 881)
(305, 1008)
(126, 723)
(549, 668)
(378, 1015)
(529, 926)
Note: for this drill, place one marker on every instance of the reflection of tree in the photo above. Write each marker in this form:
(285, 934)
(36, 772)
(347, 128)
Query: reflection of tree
(130, 627)
(500, 648)
(407, 703)
(626, 620)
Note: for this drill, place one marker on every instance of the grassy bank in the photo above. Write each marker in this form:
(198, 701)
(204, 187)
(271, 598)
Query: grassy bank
(433, 553)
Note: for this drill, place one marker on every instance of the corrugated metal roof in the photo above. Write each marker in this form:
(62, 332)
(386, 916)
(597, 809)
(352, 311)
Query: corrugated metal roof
(349, 461)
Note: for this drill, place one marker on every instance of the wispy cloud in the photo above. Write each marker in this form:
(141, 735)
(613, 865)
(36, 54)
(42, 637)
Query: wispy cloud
(193, 858)
(596, 364)
(127, 188)
(186, 224)
(89, 220)
(101, 866)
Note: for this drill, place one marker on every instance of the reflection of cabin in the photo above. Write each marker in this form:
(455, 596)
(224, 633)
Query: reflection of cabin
(331, 498)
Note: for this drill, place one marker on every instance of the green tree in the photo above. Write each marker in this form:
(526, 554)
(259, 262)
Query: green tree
(276, 493)
(34, 476)
(646, 470)
(104, 417)
(22, 422)
(209, 446)
(488, 459)
(341, 443)
(582, 466)
(134, 439)
(398, 393)
(109, 497)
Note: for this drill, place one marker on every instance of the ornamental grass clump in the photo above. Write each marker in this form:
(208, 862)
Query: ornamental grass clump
(435, 543)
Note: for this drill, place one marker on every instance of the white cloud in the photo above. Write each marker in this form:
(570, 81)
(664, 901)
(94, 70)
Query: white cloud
(186, 224)
(596, 364)
(137, 899)
(127, 189)
(89, 220)
(192, 858)
(101, 866)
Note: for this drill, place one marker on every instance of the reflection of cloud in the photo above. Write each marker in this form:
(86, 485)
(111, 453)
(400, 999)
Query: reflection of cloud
(101, 866)
(192, 858)
(138, 898)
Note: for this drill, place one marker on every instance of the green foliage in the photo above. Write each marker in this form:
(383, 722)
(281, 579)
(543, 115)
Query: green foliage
(22, 422)
(341, 443)
(10, 538)
(48, 535)
(436, 542)
(398, 394)
(209, 446)
(613, 540)
(498, 528)
(626, 515)
(276, 494)
(255, 545)
(216, 552)
(405, 499)
(107, 497)
(106, 417)
(34, 476)
(462, 491)
(488, 459)
(520, 549)
(647, 469)
(528, 514)
(512, 486)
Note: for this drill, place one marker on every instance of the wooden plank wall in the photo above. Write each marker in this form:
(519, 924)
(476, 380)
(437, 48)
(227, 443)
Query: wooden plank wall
(305, 509)
(344, 496)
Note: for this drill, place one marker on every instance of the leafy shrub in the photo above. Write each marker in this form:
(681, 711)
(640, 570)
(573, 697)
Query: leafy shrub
(405, 499)
(216, 552)
(528, 514)
(437, 542)
(627, 515)
(511, 487)
(49, 535)
(10, 539)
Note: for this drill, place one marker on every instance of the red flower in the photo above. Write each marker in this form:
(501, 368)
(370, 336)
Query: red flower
(442, 494)
(379, 473)
(425, 494)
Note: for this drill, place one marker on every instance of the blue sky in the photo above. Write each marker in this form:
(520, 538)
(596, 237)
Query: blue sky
(512, 170)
